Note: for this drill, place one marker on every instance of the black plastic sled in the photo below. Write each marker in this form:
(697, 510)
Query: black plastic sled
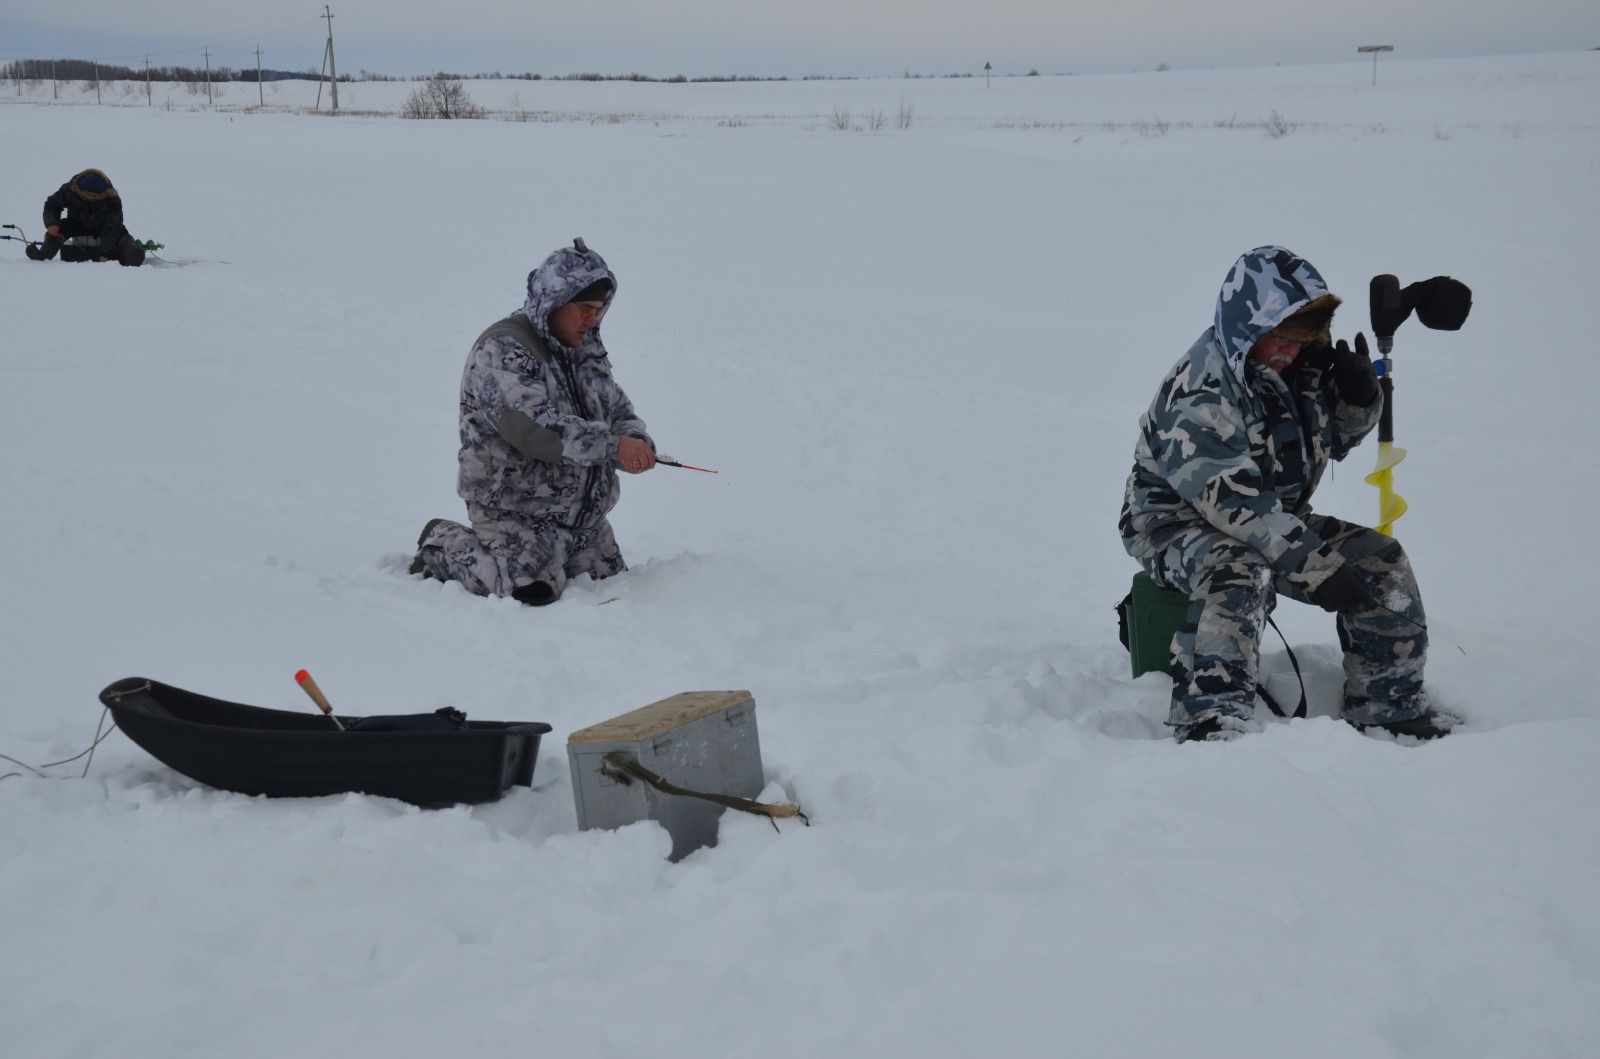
(283, 754)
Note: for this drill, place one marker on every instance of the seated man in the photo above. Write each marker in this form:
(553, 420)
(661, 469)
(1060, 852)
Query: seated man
(543, 428)
(93, 223)
(1218, 506)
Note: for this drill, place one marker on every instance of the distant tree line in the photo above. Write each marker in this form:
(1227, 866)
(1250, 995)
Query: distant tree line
(89, 70)
(675, 79)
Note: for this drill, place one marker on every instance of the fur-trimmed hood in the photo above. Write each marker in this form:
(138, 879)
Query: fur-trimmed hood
(91, 185)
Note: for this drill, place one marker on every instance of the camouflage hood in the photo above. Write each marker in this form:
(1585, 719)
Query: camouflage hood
(557, 281)
(1265, 287)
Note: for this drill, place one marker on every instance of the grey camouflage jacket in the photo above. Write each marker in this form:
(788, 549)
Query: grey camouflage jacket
(539, 426)
(1227, 444)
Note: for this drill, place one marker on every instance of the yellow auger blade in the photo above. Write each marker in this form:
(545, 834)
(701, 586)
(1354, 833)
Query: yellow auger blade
(1391, 505)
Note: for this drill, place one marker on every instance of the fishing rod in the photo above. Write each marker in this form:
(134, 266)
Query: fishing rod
(670, 462)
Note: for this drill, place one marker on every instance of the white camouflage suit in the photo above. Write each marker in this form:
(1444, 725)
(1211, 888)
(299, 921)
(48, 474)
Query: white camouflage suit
(539, 429)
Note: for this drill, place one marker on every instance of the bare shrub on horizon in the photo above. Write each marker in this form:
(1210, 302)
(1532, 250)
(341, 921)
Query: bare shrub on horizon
(1154, 127)
(441, 96)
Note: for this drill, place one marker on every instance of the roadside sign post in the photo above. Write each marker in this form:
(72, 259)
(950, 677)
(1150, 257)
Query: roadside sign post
(1374, 49)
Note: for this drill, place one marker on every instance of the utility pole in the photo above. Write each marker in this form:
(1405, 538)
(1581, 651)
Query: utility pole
(333, 68)
(148, 101)
(97, 82)
(209, 97)
(259, 97)
(55, 91)
(322, 77)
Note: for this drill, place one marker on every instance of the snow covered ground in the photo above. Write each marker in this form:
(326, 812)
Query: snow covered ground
(917, 355)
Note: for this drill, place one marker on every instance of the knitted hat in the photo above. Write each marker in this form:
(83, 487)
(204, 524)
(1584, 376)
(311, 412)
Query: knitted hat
(597, 291)
(1312, 324)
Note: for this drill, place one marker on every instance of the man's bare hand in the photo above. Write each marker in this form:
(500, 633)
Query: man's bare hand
(634, 456)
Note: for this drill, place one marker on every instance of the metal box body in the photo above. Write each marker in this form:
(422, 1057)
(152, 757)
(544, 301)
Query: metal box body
(701, 740)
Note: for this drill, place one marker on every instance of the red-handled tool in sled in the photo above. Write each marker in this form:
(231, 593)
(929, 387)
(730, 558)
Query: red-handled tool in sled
(309, 686)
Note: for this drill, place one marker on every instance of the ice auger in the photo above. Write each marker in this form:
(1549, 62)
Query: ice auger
(1441, 303)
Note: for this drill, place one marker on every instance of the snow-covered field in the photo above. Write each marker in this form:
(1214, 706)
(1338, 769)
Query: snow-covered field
(917, 355)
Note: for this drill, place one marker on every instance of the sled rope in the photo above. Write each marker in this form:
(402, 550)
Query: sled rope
(39, 770)
(621, 767)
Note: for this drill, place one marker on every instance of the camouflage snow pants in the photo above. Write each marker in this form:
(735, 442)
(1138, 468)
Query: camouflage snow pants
(1232, 588)
(498, 556)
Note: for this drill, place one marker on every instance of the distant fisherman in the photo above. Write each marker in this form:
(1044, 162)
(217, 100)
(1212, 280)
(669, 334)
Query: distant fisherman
(544, 428)
(92, 229)
(1218, 506)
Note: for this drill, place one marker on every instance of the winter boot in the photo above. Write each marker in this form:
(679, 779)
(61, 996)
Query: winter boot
(417, 565)
(130, 252)
(1207, 731)
(538, 594)
(1216, 729)
(1429, 724)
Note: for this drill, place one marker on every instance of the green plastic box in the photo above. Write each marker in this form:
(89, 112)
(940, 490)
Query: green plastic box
(1154, 616)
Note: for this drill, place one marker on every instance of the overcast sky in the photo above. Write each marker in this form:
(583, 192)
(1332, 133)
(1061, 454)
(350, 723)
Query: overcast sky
(783, 37)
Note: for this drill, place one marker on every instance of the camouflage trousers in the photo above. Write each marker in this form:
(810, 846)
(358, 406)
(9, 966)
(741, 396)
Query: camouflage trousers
(496, 556)
(1232, 589)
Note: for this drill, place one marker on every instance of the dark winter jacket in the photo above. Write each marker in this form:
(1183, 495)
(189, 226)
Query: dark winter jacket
(93, 208)
(540, 421)
(1227, 444)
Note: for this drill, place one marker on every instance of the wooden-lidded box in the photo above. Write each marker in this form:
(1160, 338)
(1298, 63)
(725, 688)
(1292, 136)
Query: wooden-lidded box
(701, 740)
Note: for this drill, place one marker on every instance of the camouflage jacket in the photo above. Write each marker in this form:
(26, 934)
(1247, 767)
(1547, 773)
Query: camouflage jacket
(540, 421)
(1227, 444)
(93, 213)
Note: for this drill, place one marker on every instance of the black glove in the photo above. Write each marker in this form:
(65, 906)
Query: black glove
(1342, 592)
(1353, 376)
(1314, 358)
